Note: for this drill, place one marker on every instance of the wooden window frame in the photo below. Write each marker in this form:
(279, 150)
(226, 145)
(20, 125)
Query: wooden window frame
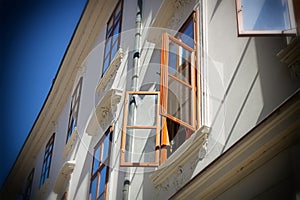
(74, 110)
(109, 35)
(194, 86)
(47, 163)
(125, 127)
(102, 164)
(28, 189)
(247, 33)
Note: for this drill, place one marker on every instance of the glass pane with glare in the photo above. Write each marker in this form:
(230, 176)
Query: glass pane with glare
(140, 145)
(266, 15)
(142, 109)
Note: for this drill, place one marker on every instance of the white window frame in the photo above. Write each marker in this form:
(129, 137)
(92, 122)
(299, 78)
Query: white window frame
(243, 32)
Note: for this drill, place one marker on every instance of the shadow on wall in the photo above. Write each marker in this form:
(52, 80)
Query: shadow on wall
(276, 82)
(265, 87)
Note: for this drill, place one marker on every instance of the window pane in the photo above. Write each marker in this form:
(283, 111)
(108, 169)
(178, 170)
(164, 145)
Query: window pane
(105, 148)
(109, 28)
(96, 159)
(116, 33)
(145, 108)
(106, 64)
(140, 145)
(107, 47)
(94, 188)
(179, 62)
(102, 180)
(265, 15)
(180, 101)
(114, 50)
(187, 35)
(118, 12)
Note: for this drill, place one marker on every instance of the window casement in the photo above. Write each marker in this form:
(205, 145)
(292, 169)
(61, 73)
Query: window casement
(47, 160)
(112, 38)
(179, 96)
(266, 17)
(74, 109)
(28, 189)
(100, 168)
(141, 130)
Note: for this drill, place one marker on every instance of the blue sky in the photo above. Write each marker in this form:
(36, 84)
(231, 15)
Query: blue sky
(34, 36)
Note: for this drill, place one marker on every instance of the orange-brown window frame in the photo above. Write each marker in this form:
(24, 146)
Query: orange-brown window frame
(126, 126)
(102, 164)
(195, 83)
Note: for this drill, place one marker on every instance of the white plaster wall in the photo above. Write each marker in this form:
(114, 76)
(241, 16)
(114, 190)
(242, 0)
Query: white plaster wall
(240, 77)
(245, 79)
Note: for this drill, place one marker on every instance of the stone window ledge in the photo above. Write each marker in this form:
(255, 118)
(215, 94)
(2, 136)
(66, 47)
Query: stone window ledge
(194, 146)
(63, 176)
(70, 143)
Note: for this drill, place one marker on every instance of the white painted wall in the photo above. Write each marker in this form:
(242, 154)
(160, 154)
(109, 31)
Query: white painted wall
(240, 75)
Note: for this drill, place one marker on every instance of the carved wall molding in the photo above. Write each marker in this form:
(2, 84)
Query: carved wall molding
(107, 107)
(178, 168)
(290, 55)
(108, 77)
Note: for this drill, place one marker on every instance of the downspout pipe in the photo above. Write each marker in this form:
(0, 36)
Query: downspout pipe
(134, 86)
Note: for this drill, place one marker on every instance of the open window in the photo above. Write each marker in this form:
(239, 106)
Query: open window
(265, 17)
(179, 107)
(141, 130)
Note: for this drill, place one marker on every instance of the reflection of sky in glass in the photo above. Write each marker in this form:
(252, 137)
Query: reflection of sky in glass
(102, 180)
(94, 189)
(265, 15)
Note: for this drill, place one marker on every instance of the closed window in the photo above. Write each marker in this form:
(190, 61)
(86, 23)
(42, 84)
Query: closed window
(74, 109)
(265, 17)
(28, 189)
(100, 168)
(47, 160)
(112, 39)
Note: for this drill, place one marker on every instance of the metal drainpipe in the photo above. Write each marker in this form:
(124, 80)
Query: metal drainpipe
(134, 85)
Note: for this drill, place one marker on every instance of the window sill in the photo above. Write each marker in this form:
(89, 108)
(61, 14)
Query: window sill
(63, 175)
(104, 112)
(180, 157)
(70, 143)
(110, 72)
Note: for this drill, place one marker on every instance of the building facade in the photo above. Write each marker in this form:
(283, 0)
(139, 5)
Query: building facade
(170, 99)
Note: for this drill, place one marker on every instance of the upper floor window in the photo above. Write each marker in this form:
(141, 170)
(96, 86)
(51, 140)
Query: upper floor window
(112, 39)
(74, 109)
(100, 169)
(265, 17)
(28, 189)
(179, 96)
(47, 160)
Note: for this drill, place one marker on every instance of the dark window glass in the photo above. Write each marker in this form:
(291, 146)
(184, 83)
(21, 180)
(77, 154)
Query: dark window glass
(47, 160)
(100, 169)
(112, 36)
(74, 109)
